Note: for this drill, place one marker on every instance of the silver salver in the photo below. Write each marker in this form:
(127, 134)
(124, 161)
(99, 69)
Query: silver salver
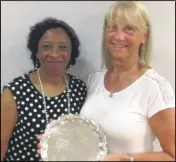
(73, 138)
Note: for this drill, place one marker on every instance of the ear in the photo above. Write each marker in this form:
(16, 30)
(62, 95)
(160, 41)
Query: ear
(145, 38)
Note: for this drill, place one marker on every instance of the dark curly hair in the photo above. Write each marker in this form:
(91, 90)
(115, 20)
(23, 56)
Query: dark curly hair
(37, 31)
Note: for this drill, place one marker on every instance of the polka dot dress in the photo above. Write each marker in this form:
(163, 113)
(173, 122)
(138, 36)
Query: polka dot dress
(31, 117)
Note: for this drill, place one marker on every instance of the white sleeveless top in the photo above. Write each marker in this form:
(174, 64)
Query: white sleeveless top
(124, 117)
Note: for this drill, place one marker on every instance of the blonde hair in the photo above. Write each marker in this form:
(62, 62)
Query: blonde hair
(132, 13)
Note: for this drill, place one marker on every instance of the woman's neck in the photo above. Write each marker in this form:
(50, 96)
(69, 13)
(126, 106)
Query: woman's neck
(51, 78)
(124, 68)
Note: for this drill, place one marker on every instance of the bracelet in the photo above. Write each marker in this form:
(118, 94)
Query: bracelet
(131, 157)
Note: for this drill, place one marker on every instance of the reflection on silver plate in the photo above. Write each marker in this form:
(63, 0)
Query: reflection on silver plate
(73, 138)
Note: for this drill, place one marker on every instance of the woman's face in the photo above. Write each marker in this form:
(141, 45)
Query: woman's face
(123, 42)
(54, 50)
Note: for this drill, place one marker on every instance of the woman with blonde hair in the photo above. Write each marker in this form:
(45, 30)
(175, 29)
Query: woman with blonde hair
(131, 102)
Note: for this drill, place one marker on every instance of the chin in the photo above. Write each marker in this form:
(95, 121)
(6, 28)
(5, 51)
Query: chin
(56, 70)
(119, 55)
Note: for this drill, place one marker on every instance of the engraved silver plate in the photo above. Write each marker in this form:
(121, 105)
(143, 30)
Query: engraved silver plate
(73, 138)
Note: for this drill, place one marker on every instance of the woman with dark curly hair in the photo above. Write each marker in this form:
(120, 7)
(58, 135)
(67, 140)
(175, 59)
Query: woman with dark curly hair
(30, 101)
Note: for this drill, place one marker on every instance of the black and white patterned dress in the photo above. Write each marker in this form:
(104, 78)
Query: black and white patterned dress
(31, 117)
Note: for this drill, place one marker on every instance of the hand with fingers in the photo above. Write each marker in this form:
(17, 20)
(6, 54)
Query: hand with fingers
(39, 145)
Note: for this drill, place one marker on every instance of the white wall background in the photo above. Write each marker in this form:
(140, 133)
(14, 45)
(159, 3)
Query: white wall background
(87, 19)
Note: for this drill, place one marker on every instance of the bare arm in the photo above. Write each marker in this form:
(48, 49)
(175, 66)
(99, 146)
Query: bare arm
(163, 125)
(9, 117)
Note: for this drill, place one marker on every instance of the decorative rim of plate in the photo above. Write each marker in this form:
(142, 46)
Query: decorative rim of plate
(70, 117)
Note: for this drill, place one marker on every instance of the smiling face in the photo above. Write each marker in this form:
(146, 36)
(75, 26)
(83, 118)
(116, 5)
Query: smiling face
(123, 41)
(54, 50)
(125, 31)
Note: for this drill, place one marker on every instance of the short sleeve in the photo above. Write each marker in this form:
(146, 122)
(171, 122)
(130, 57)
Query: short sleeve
(88, 83)
(91, 82)
(161, 97)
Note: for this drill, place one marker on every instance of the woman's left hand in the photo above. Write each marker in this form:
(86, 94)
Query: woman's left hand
(116, 157)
